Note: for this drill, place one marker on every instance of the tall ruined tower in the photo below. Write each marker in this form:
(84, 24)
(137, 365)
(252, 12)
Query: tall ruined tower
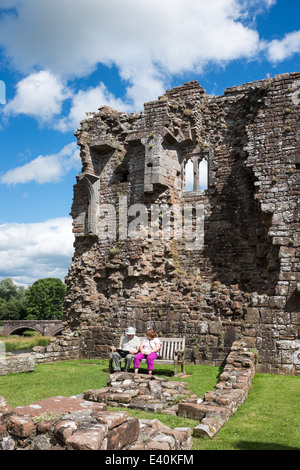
(186, 218)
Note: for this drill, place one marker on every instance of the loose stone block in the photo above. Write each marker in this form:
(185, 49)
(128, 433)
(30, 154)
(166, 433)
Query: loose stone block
(90, 439)
(208, 427)
(16, 364)
(20, 426)
(123, 435)
(64, 429)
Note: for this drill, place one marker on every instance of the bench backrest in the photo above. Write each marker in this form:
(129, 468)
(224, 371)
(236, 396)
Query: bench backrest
(168, 346)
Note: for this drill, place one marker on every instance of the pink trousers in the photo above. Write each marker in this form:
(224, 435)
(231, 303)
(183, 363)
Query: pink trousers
(150, 360)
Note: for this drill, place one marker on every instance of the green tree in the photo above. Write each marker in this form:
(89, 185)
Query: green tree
(44, 299)
(8, 289)
(12, 310)
(12, 300)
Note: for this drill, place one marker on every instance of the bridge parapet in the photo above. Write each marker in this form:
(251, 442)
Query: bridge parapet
(44, 327)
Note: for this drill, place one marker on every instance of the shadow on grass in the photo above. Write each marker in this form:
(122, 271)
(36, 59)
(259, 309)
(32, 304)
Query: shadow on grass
(191, 369)
(160, 372)
(144, 371)
(246, 445)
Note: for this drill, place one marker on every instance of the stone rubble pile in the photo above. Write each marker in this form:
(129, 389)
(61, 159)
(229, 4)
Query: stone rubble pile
(61, 423)
(147, 393)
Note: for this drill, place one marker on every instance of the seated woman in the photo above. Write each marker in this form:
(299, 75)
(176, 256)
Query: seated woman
(148, 350)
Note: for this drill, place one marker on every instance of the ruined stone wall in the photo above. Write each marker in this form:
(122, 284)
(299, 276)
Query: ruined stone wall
(239, 279)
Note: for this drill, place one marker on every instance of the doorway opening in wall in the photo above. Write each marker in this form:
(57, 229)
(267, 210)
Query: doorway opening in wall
(196, 174)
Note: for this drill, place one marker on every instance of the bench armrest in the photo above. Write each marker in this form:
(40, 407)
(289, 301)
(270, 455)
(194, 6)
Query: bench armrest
(179, 352)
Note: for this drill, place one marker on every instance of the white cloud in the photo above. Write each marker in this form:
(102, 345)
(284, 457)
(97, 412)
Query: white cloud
(33, 251)
(88, 101)
(39, 95)
(146, 40)
(42, 95)
(285, 48)
(45, 169)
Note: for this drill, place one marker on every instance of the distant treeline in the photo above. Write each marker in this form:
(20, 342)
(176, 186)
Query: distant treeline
(43, 300)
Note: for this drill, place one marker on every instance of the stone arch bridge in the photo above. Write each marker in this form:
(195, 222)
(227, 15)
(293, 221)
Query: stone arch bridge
(44, 327)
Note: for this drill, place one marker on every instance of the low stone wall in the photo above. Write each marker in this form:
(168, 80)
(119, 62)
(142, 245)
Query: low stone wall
(61, 423)
(62, 348)
(13, 364)
(218, 406)
(144, 392)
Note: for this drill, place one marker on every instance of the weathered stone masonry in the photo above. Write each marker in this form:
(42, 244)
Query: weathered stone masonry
(244, 283)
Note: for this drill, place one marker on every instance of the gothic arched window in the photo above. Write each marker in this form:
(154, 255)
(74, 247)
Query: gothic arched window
(189, 176)
(203, 175)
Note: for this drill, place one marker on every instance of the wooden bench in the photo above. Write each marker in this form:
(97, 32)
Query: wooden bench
(172, 351)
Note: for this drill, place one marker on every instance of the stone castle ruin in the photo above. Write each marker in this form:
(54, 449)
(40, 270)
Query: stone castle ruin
(186, 219)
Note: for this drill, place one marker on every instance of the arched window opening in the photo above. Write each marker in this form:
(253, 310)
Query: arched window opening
(196, 174)
(203, 175)
(124, 177)
(189, 176)
(121, 174)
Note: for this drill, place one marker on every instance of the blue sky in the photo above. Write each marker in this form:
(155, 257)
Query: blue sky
(62, 58)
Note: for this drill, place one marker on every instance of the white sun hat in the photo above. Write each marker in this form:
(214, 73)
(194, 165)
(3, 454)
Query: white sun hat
(130, 331)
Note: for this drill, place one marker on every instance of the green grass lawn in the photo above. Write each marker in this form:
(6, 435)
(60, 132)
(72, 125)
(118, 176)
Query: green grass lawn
(268, 420)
